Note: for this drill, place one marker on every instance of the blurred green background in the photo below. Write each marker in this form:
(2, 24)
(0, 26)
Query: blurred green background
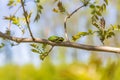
(93, 70)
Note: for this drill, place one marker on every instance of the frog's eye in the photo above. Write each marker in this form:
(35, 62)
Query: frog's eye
(61, 39)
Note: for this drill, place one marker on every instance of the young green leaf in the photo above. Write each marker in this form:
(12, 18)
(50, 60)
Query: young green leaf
(33, 45)
(55, 10)
(43, 56)
(102, 23)
(44, 46)
(39, 11)
(85, 2)
(104, 6)
(34, 50)
(106, 1)
(110, 34)
(2, 45)
(79, 35)
(98, 13)
(60, 7)
(118, 27)
(10, 3)
(92, 6)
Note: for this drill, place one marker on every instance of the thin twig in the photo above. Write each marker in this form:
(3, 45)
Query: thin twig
(27, 22)
(43, 56)
(50, 49)
(66, 18)
(17, 10)
(9, 25)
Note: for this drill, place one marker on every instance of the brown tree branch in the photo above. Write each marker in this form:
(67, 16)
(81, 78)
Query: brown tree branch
(64, 44)
(66, 18)
(26, 19)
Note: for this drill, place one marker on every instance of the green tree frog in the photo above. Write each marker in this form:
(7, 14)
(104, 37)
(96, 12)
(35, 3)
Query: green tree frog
(56, 39)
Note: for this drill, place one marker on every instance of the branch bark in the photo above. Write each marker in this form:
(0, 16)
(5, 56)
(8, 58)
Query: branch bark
(63, 44)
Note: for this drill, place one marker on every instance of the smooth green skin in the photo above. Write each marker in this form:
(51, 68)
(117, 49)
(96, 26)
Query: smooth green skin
(56, 39)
